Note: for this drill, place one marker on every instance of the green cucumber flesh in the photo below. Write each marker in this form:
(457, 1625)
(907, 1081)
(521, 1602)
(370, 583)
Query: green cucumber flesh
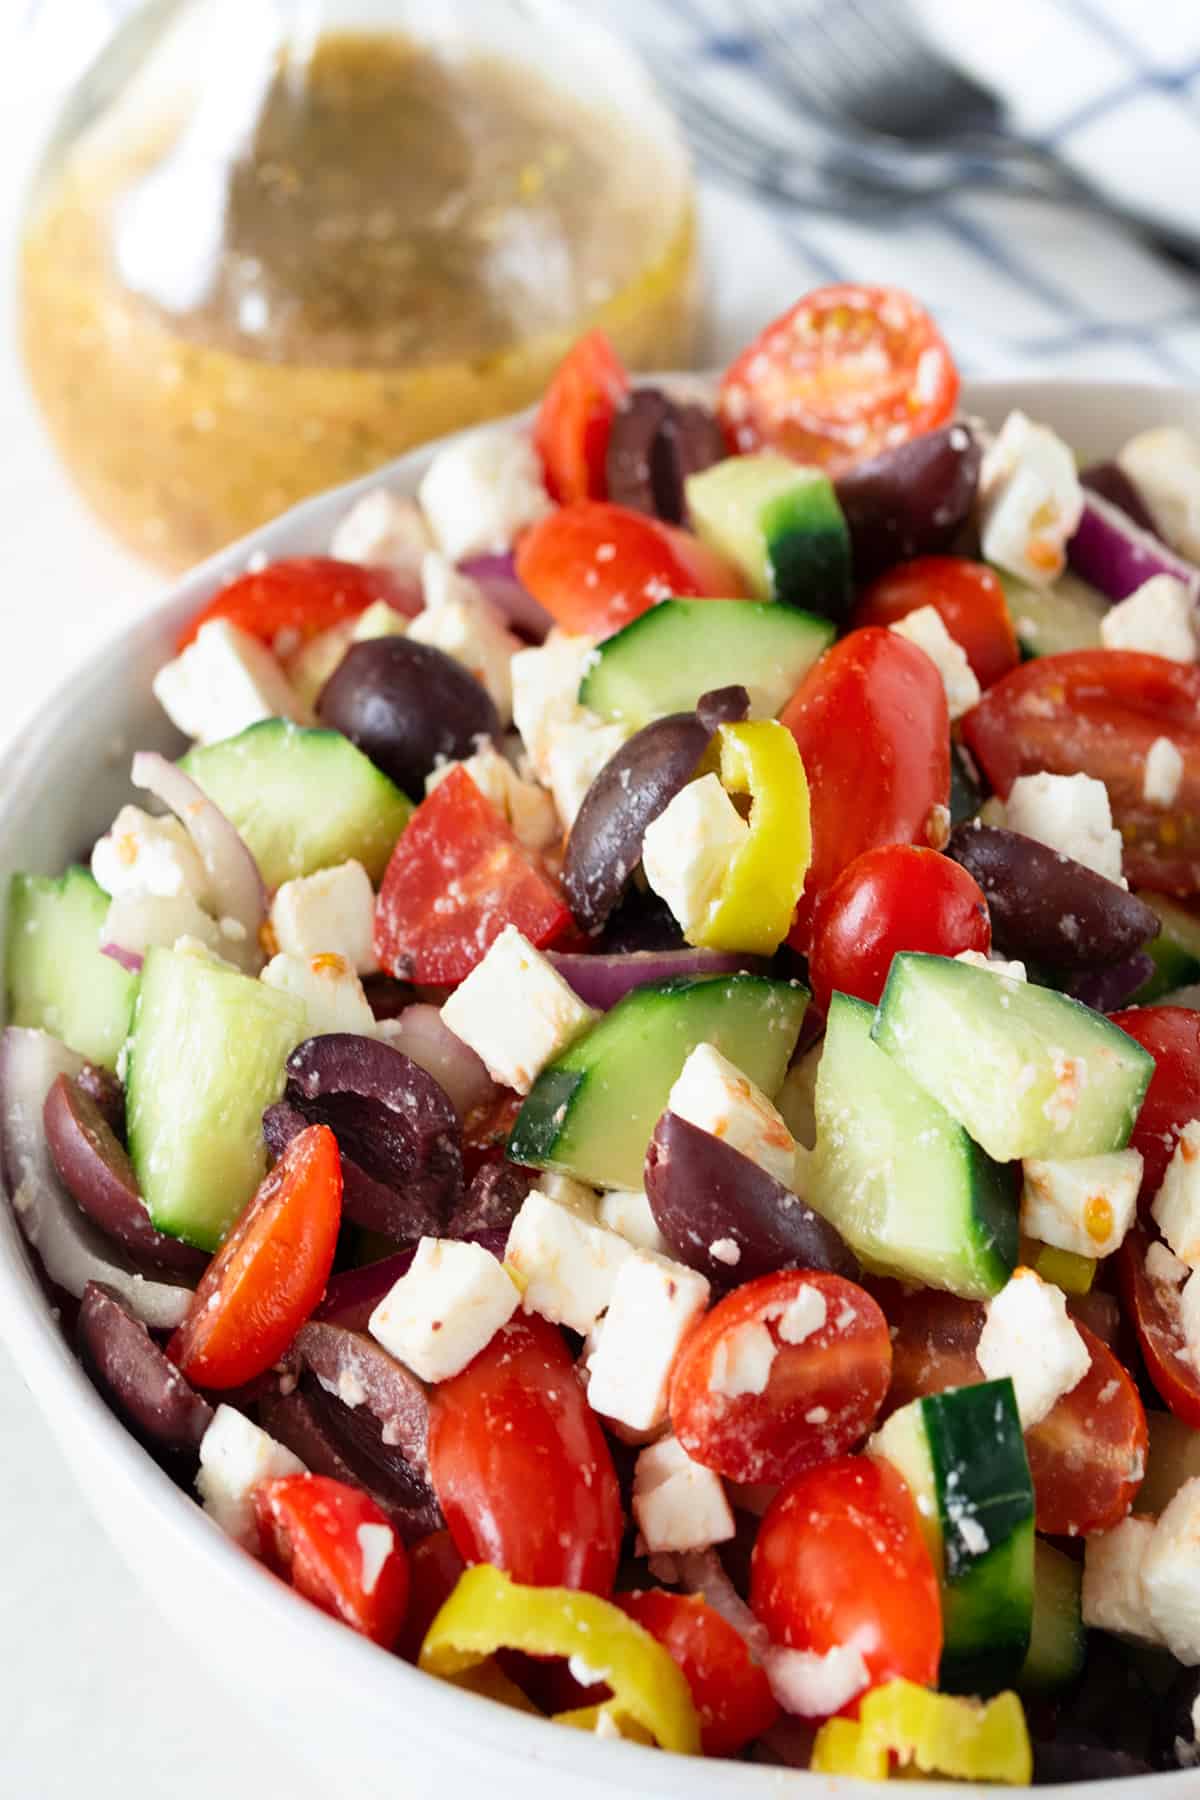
(1176, 950)
(1051, 620)
(664, 660)
(902, 1181)
(781, 524)
(56, 977)
(1026, 1071)
(1058, 1641)
(591, 1113)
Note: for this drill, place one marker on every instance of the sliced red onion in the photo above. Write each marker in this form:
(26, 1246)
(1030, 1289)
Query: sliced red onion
(1109, 480)
(497, 576)
(422, 1034)
(239, 898)
(601, 981)
(71, 1250)
(1116, 556)
(702, 1572)
(136, 923)
(130, 960)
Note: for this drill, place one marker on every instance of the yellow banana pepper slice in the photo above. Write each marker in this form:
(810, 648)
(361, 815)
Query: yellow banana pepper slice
(753, 910)
(941, 1734)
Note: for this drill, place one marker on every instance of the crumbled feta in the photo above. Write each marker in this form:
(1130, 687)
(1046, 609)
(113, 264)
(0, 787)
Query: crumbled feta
(726, 1250)
(528, 809)
(627, 1211)
(1189, 1315)
(577, 749)
(815, 1684)
(1114, 1595)
(1031, 501)
(545, 693)
(460, 621)
(713, 1095)
(450, 1304)
(1176, 1207)
(926, 628)
(141, 854)
(742, 1361)
(375, 1545)
(1164, 466)
(331, 912)
(678, 1504)
(1164, 1268)
(1085, 1205)
(382, 527)
(565, 1263)
(516, 1012)
(331, 992)
(995, 965)
(1029, 1336)
(687, 850)
(1171, 1574)
(235, 1456)
(1163, 773)
(1070, 814)
(224, 681)
(481, 490)
(654, 1304)
(1158, 618)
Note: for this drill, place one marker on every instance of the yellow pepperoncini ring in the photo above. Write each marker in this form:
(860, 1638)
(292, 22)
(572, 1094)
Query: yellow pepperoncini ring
(941, 1734)
(765, 878)
(488, 1612)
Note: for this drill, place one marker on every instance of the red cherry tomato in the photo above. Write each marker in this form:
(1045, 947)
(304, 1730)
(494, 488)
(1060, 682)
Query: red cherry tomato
(969, 599)
(339, 1549)
(575, 418)
(434, 1567)
(1172, 1036)
(291, 601)
(596, 566)
(871, 721)
(457, 877)
(731, 1692)
(520, 1465)
(785, 1371)
(270, 1272)
(840, 1559)
(848, 372)
(1097, 712)
(898, 897)
(1158, 1321)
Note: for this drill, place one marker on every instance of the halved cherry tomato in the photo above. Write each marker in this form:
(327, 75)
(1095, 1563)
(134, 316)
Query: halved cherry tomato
(786, 1371)
(898, 897)
(847, 372)
(339, 1550)
(574, 421)
(873, 728)
(434, 1567)
(293, 600)
(969, 599)
(596, 566)
(1154, 1309)
(841, 1559)
(270, 1272)
(1097, 712)
(731, 1692)
(520, 1465)
(1172, 1036)
(457, 877)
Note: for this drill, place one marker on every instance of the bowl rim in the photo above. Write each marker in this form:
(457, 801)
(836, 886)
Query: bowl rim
(484, 1728)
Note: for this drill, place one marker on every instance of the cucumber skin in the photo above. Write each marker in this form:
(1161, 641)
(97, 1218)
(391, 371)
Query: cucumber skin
(809, 559)
(92, 1018)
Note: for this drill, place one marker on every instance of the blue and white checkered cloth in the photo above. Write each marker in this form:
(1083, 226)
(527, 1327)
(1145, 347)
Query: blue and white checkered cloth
(1019, 286)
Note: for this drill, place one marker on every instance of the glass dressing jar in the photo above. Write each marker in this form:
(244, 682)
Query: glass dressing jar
(275, 242)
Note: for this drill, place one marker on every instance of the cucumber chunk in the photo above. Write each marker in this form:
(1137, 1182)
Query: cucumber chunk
(56, 978)
(664, 660)
(1050, 620)
(1058, 1642)
(963, 1455)
(205, 1060)
(781, 524)
(903, 1183)
(302, 799)
(1176, 950)
(591, 1113)
(1026, 1071)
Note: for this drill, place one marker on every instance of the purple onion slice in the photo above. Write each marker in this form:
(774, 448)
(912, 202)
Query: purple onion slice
(1117, 556)
(496, 574)
(602, 980)
(239, 898)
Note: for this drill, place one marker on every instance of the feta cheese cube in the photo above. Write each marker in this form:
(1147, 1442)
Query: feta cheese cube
(577, 749)
(713, 1095)
(654, 1304)
(224, 681)
(1176, 1207)
(460, 621)
(235, 1456)
(1029, 1336)
(1085, 1205)
(1164, 1268)
(483, 489)
(142, 855)
(330, 990)
(995, 965)
(1114, 1594)
(1164, 465)
(627, 1212)
(1171, 1574)
(378, 621)
(382, 527)
(1159, 618)
(331, 912)
(687, 850)
(926, 628)
(450, 1304)
(1189, 1315)
(1031, 501)
(1163, 773)
(528, 809)
(564, 1262)
(815, 1684)
(1071, 814)
(516, 1012)
(545, 684)
(678, 1504)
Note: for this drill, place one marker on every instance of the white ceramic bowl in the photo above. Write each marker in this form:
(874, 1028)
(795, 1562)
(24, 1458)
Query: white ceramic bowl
(376, 1728)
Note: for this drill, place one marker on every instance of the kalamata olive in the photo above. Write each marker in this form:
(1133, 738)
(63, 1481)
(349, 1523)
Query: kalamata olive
(330, 1439)
(723, 706)
(654, 445)
(366, 1202)
(1073, 1759)
(1047, 908)
(386, 997)
(726, 1217)
(135, 1377)
(910, 501)
(493, 1199)
(406, 706)
(641, 921)
(1175, 1743)
(1109, 480)
(99, 1177)
(1112, 987)
(360, 1372)
(101, 1086)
